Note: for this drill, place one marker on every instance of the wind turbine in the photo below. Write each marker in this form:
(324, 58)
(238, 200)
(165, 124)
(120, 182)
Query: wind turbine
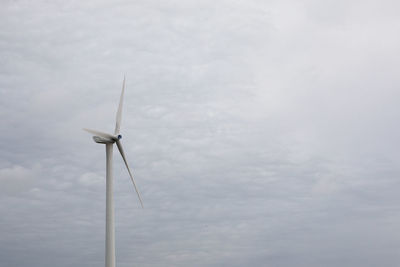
(109, 140)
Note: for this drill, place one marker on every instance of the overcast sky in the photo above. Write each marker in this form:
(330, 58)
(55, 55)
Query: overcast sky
(260, 133)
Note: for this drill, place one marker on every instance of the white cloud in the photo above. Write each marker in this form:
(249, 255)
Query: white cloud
(91, 179)
(17, 179)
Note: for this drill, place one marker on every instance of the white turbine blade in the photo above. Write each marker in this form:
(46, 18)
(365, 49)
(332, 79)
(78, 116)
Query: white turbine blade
(119, 112)
(121, 150)
(101, 134)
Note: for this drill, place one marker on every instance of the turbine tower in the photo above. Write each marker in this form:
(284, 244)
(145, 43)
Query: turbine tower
(109, 140)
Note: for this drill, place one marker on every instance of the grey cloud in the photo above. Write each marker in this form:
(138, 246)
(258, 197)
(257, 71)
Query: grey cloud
(260, 133)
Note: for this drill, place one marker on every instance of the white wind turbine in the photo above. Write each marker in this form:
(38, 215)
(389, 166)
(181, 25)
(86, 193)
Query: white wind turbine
(109, 140)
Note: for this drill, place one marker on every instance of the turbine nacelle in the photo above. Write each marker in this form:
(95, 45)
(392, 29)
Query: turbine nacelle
(102, 140)
(107, 140)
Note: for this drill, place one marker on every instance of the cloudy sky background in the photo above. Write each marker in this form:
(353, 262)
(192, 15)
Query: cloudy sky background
(261, 133)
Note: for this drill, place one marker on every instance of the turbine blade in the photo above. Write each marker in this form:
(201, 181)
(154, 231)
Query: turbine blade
(119, 112)
(101, 134)
(121, 150)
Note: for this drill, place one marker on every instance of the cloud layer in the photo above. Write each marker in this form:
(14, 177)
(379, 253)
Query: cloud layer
(260, 133)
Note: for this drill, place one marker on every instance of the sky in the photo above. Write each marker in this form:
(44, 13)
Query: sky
(260, 133)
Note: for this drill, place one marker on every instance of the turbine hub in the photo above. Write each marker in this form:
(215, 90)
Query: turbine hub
(119, 137)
